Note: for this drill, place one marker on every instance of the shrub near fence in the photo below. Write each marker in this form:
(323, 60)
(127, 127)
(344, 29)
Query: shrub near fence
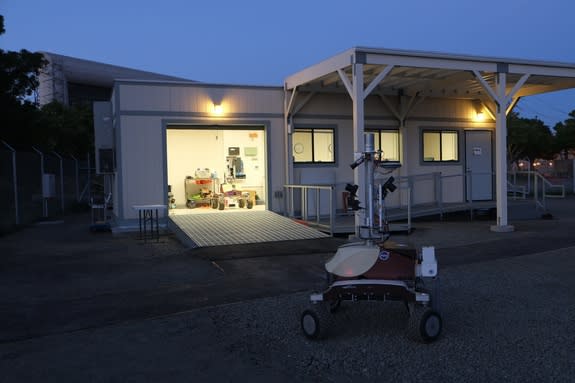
(22, 200)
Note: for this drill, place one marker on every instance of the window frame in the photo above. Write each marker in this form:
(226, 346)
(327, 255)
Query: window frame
(378, 131)
(312, 129)
(440, 131)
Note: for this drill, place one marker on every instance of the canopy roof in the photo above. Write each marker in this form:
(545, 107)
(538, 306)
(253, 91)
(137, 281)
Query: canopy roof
(432, 74)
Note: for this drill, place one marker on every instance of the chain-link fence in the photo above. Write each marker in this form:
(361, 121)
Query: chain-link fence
(36, 185)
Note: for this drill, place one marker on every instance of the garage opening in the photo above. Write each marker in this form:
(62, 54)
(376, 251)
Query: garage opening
(216, 169)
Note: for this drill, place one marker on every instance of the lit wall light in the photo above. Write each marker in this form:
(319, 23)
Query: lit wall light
(479, 115)
(217, 109)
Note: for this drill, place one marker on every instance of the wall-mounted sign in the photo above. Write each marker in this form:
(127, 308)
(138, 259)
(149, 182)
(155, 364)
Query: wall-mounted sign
(477, 151)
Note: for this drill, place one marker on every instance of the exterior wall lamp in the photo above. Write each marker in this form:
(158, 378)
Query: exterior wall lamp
(479, 115)
(217, 109)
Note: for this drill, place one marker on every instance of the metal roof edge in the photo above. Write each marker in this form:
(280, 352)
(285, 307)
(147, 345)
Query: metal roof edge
(71, 61)
(462, 57)
(193, 83)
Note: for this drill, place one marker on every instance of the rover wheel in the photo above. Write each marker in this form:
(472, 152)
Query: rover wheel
(241, 203)
(315, 321)
(190, 204)
(249, 204)
(214, 203)
(424, 324)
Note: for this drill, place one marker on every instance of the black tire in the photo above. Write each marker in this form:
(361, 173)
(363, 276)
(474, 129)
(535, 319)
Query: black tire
(221, 205)
(424, 324)
(250, 204)
(316, 321)
(241, 203)
(214, 203)
(190, 204)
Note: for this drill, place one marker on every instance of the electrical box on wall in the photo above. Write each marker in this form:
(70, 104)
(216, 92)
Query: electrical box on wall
(104, 137)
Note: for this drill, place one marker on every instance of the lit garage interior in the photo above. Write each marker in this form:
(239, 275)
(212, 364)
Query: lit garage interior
(216, 169)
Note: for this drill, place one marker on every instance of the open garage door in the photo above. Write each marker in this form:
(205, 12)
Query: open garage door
(216, 168)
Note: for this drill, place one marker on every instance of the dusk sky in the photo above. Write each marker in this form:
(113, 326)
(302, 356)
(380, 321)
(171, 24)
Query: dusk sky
(263, 42)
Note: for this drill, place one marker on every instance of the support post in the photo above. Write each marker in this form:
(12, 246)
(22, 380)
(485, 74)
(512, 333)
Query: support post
(288, 125)
(501, 156)
(358, 128)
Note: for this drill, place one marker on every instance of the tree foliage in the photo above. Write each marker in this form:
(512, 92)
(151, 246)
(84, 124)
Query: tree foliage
(22, 123)
(528, 138)
(66, 129)
(18, 82)
(565, 135)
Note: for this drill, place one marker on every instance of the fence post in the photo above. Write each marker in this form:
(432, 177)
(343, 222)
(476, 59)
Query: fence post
(44, 200)
(15, 179)
(77, 178)
(89, 177)
(61, 181)
(535, 191)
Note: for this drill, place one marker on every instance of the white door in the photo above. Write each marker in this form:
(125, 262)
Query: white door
(479, 165)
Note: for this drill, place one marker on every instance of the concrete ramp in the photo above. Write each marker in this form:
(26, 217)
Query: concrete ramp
(217, 229)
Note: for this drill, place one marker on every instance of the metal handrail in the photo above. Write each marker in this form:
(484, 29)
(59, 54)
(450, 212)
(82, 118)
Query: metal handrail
(546, 186)
(516, 189)
(304, 216)
(409, 183)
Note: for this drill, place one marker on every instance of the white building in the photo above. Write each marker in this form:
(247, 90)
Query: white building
(440, 116)
(73, 81)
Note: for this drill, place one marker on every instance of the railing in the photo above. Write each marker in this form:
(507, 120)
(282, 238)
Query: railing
(434, 190)
(315, 205)
(514, 190)
(541, 189)
(317, 219)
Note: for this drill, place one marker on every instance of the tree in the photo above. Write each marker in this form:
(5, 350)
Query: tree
(66, 129)
(528, 138)
(19, 73)
(54, 126)
(565, 135)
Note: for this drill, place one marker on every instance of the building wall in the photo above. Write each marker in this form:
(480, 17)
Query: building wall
(144, 110)
(335, 110)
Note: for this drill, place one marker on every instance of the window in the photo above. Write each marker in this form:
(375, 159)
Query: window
(440, 146)
(387, 140)
(313, 145)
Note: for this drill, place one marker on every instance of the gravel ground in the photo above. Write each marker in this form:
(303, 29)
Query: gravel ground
(504, 320)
